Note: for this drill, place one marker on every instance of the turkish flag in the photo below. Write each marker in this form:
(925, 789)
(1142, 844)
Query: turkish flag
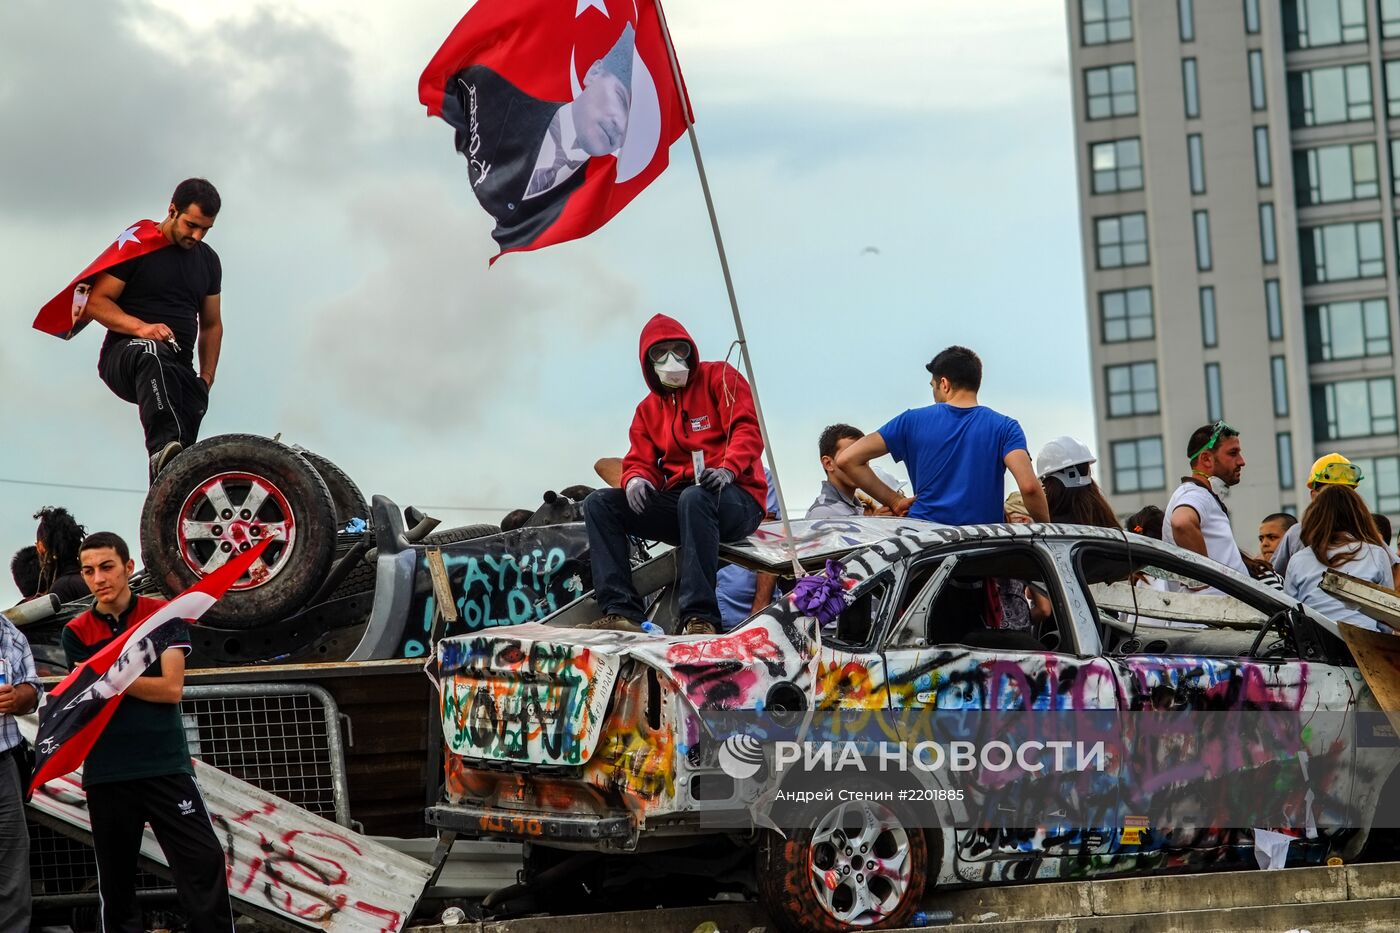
(564, 110)
(79, 708)
(65, 313)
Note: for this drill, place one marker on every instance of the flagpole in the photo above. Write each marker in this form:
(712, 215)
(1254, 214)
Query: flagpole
(729, 287)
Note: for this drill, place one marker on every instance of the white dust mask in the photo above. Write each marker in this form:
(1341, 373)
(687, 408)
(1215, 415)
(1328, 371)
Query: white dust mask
(672, 372)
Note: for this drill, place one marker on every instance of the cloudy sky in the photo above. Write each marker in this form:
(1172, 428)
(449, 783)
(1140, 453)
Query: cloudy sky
(362, 321)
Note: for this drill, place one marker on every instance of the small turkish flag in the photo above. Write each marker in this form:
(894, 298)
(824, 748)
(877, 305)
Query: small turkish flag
(66, 313)
(564, 110)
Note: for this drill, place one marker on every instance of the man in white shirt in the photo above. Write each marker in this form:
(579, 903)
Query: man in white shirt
(1197, 519)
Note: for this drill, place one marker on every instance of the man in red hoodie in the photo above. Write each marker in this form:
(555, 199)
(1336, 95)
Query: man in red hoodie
(693, 478)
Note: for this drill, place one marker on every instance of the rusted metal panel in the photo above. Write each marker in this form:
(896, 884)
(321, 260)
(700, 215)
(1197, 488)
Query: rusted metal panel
(281, 859)
(1377, 654)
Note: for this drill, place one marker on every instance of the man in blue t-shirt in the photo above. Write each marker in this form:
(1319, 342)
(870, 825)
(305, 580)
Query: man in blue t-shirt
(957, 452)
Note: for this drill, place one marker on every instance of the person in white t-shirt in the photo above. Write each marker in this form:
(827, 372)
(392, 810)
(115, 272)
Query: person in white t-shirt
(1338, 534)
(1197, 519)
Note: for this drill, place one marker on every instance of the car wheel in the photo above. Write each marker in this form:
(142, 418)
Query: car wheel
(858, 864)
(223, 495)
(349, 502)
(464, 533)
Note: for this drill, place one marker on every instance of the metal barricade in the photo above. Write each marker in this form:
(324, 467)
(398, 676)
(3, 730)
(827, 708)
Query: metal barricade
(282, 738)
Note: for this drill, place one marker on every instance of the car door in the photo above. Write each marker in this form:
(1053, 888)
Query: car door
(1232, 729)
(953, 678)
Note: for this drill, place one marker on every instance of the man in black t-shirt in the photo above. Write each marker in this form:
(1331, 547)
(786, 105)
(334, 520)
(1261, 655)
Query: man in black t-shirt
(139, 769)
(157, 309)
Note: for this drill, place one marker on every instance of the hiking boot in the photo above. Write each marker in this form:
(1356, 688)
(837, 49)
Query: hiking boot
(611, 622)
(160, 458)
(697, 626)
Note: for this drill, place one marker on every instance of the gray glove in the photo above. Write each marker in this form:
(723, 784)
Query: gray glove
(716, 478)
(639, 493)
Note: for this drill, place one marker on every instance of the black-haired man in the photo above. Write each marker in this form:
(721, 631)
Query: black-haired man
(1196, 517)
(157, 309)
(139, 769)
(957, 452)
(837, 497)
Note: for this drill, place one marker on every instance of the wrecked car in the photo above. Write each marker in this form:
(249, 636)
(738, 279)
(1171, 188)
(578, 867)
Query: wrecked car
(595, 747)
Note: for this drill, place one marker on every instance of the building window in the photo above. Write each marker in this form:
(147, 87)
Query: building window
(1381, 489)
(1186, 18)
(1348, 330)
(1338, 252)
(1354, 408)
(1308, 24)
(1390, 18)
(1138, 465)
(1283, 442)
(1395, 160)
(1215, 401)
(1112, 91)
(1117, 165)
(1132, 389)
(1105, 21)
(1392, 92)
(1251, 16)
(1278, 375)
(1210, 333)
(1273, 308)
(1202, 241)
(1127, 315)
(1328, 95)
(1336, 173)
(1122, 240)
(1190, 88)
(1263, 171)
(1268, 242)
(1257, 97)
(1196, 160)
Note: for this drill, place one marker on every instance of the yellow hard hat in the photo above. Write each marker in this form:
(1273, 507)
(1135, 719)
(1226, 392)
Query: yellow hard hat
(1334, 469)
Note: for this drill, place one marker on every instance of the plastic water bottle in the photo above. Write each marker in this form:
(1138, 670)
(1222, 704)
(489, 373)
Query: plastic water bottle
(453, 916)
(651, 628)
(925, 918)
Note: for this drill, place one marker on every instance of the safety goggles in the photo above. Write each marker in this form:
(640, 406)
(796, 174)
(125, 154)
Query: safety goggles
(1217, 430)
(658, 352)
(1337, 474)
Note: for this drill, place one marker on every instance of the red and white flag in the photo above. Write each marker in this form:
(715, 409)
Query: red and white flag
(66, 313)
(79, 708)
(564, 110)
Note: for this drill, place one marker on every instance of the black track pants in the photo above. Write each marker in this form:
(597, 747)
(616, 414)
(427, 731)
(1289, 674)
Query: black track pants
(168, 393)
(172, 804)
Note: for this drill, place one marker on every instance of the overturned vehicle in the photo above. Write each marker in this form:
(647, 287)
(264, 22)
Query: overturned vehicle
(1194, 718)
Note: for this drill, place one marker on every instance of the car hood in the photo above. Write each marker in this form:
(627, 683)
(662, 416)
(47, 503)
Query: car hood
(539, 694)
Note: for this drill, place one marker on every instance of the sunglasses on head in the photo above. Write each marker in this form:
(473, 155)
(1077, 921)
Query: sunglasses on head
(1217, 430)
(679, 347)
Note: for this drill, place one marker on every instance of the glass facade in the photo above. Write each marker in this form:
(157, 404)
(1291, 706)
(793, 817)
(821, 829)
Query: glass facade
(1284, 448)
(1327, 95)
(1338, 252)
(1190, 87)
(1353, 408)
(1138, 465)
(1132, 389)
(1203, 256)
(1121, 240)
(1186, 20)
(1215, 396)
(1278, 378)
(1258, 98)
(1347, 330)
(1263, 170)
(1251, 16)
(1381, 487)
(1126, 315)
(1268, 239)
(1117, 165)
(1273, 309)
(1390, 18)
(1112, 91)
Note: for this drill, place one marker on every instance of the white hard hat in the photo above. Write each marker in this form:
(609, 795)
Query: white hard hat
(1062, 459)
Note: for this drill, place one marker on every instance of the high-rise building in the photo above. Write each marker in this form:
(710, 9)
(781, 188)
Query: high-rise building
(1239, 162)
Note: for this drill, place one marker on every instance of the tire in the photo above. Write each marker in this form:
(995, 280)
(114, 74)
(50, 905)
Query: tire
(348, 500)
(789, 869)
(464, 533)
(238, 466)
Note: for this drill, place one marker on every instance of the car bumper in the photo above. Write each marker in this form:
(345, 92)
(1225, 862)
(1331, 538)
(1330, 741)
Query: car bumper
(528, 825)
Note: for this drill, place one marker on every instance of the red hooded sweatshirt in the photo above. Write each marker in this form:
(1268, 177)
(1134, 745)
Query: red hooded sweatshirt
(713, 413)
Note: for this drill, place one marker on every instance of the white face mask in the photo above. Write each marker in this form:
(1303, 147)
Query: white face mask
(672, 372)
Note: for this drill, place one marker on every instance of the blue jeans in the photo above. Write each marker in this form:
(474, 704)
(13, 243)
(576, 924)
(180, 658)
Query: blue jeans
(693, 518)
